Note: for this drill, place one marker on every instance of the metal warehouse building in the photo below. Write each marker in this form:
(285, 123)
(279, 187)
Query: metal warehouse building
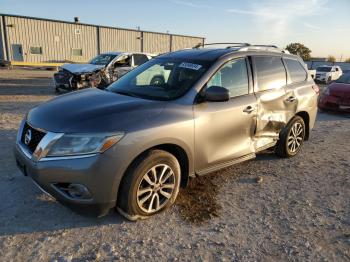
(29, 39)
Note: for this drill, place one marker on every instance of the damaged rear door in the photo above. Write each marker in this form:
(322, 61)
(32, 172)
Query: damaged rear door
(273, 106)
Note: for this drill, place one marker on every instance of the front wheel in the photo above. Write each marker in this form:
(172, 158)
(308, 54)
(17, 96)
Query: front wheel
(150, 185)
(291, 138)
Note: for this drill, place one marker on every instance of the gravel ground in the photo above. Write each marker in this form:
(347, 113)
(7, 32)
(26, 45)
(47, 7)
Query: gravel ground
(300, 211)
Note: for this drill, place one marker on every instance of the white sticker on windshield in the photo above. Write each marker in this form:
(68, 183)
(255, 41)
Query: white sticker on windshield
(190, 66)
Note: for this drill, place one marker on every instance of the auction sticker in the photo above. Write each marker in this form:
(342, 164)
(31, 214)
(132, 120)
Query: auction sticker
(190, 66)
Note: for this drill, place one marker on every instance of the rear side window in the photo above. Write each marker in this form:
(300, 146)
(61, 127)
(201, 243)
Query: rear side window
(296, 71)
(270, 72)
(139, 59)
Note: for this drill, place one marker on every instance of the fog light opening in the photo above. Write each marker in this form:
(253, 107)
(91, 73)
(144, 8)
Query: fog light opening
(75, 191)
(78, 191)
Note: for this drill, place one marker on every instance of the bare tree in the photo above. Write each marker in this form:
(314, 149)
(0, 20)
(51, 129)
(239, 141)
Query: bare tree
(331, 59)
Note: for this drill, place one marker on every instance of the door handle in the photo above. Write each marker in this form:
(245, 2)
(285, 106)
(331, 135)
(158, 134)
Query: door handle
(248, 109)
(290, 99)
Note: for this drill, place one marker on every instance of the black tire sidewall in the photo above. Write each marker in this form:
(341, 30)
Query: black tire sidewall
(291, 124)
(152, 158)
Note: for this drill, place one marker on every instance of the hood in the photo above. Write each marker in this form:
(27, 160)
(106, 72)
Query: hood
(94, 110)
(81, 68)
(339, 89)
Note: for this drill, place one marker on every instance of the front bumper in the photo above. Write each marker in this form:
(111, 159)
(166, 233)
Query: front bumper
(63, 81)
(97, 173)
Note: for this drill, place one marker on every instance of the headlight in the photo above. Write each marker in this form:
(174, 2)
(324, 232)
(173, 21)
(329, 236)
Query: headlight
(81, 144)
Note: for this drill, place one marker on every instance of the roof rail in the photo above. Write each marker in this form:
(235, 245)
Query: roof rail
(228, 45)
(271, 48)
(245, 47)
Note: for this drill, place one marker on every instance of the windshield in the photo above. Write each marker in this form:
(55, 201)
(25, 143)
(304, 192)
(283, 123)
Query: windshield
(344, 79)
(102, 59)
(324, 69)
(159, 79)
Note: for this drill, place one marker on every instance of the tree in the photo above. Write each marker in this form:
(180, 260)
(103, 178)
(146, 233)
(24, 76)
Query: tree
(300, 50)
(331, 59)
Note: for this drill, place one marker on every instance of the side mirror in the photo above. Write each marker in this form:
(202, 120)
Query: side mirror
(217, 94)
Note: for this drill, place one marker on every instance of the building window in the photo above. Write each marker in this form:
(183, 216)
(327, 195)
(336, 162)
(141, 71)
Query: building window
(77, 31)
(77, 52)
(36, 50)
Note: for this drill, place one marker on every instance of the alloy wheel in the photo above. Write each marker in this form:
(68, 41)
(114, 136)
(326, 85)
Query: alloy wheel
(156, 188)
(295, 137)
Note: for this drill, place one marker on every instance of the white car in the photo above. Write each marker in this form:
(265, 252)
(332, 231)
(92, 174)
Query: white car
(327, 74)
(99, 72)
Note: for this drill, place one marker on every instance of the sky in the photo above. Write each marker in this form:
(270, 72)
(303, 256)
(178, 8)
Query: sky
(322, 25)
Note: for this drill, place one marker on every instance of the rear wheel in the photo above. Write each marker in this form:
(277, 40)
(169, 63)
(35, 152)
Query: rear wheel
(291, 138)
(150, 185)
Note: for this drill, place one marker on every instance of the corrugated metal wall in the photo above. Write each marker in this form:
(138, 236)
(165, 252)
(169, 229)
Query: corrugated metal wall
(2, 48)
(156, 43)
(181, 42)
(58, 38)
(112, 39)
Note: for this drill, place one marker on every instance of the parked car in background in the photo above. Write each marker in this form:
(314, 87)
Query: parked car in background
(337, 95)
(99, 72)
(179, 115)
(326, 74)
(312, 73)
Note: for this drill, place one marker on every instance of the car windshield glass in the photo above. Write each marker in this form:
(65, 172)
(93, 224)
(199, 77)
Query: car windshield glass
(344, 79)
(324, 69)
(159, 79)
(102, 59)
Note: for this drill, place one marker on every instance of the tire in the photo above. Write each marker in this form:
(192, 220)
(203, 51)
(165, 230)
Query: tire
(287, 137)
(142, 194)
(158, 80)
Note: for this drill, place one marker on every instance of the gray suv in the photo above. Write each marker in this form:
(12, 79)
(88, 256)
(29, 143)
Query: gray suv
(180, 115)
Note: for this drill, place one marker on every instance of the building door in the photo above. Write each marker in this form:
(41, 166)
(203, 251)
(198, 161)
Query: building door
(17, 52)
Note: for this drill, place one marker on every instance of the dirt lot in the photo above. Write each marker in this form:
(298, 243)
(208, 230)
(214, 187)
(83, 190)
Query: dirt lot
(300, 211)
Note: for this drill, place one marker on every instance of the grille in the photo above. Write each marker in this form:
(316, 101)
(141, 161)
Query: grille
(35, 139)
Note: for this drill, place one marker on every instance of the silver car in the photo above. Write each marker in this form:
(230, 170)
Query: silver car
(183, 114)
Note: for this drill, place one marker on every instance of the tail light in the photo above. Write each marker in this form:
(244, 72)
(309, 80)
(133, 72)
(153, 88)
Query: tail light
(316, 89)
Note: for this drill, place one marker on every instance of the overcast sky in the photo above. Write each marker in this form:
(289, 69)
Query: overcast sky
(322, 25)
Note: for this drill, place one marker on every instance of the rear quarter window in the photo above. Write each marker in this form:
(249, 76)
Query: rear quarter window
(270, 72)
(139, 59)
(296, 71)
